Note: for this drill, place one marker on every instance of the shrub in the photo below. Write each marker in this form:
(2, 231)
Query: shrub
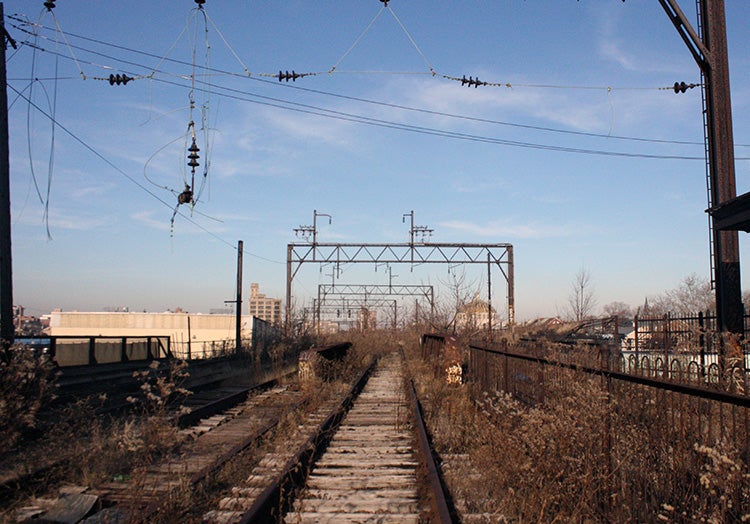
(26, 385)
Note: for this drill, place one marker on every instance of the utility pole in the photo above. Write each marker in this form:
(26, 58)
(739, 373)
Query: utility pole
(238, 331)
(709, 50)
(238, 301)
(7, 333)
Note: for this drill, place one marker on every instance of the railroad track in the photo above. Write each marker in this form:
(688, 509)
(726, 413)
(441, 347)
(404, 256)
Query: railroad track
(359, 465)
(217, 440)
(207, 409)
(369, 468)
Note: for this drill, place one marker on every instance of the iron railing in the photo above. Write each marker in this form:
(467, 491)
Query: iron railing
(68, 350)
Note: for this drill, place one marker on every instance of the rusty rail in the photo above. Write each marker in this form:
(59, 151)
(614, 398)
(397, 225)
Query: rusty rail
(439, 497)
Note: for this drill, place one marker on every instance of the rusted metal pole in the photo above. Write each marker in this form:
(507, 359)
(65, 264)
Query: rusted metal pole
(721, 164)
(710, 52)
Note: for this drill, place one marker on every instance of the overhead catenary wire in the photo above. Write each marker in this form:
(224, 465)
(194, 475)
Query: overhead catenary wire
(219, 72)
(432, 72)
(238, 94)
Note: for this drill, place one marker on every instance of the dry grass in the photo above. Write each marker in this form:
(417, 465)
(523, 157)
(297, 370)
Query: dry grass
(580, 454)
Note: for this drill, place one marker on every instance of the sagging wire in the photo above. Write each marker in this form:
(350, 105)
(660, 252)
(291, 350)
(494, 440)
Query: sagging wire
(122, 172)
(51, 102)
(52, 106)
(190, 192)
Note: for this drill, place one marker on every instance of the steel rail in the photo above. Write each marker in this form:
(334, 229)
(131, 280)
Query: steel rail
(440, 500)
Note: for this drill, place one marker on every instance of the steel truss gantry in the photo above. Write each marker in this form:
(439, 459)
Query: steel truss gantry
(364, 294)
(499, 255)
(348, 304)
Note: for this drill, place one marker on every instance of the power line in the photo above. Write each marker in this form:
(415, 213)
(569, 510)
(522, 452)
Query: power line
(279, 103)
(397, 106)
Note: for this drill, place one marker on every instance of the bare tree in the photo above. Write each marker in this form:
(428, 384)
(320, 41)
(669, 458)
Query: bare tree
(694, 294)
(460, 292)
(581, 300)
(617, 309)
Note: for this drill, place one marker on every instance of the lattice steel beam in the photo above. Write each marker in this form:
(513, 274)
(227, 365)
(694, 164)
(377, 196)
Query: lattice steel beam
(500, 255)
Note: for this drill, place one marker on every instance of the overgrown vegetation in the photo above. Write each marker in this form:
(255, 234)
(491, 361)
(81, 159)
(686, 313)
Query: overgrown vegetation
(26, 385)
(581, 452)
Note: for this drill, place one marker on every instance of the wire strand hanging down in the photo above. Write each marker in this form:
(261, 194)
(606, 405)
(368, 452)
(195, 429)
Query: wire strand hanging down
(52, 104)
(198, 129)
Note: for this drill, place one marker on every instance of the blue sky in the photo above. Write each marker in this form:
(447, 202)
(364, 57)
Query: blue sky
(578, 81)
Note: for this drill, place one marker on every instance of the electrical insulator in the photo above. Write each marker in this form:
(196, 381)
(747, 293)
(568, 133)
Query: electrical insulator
(288, 76)
(338, 312)
(49, 5)
(385, 2)
(119, 79)
(193, 156)
(186, 196)
(350, 313)
(200, 2)
(681, 87)
(472, 82)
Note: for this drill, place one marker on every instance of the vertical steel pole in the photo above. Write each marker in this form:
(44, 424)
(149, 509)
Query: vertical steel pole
(710, 52)
(489, 298)
(6, 265)
(288, 320)
(511, 289)
(721, 162)
(238, 321)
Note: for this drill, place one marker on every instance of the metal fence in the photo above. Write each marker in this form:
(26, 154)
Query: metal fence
(697, 333)
(84, 351)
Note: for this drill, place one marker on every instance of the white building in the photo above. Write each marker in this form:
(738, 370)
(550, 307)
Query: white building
(197, 333)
